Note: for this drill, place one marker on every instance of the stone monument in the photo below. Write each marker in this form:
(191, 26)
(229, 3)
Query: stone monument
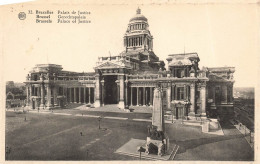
(157, 140)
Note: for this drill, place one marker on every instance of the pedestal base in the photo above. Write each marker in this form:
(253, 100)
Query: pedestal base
(191, 116)
(203, 115)
(130, 149)
(121, 105)
(158, 146)
(97, 103)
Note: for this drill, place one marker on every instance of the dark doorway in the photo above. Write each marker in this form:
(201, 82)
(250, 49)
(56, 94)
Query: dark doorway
(33, 104)
(179, 112)
(110, 87)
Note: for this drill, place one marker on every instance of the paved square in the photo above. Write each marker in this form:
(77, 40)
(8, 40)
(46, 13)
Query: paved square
(57, 137)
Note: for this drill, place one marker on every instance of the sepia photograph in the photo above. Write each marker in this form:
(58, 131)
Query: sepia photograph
(129, 81)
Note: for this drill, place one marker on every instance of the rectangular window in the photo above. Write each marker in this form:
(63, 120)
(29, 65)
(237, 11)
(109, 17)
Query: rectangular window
(180, 93)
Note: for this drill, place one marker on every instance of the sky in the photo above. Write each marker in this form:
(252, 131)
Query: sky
(221, 34)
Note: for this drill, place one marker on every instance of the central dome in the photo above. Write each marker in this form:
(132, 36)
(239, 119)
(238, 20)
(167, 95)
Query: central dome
(138, 16)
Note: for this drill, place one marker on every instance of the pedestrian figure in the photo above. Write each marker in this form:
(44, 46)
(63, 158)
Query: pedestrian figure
(25, 118)
(81, 134)
(239, 127)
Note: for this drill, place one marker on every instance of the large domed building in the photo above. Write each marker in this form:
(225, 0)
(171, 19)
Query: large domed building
(129, 79)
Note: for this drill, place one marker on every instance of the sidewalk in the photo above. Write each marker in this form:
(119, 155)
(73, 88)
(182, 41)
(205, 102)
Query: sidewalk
(114, 108)
(246, 132)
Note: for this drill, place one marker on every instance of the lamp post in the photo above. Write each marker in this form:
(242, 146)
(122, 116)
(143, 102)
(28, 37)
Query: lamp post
(140, 149)
(99, 119)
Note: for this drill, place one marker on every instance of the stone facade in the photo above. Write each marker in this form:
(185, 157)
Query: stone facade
(130, 78)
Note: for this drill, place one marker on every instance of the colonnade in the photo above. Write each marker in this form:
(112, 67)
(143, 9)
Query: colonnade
(136, 41)
(80, 95)
(141, 96)
(45, 96)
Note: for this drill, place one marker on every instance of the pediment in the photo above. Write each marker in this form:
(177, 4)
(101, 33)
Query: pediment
(109, 65)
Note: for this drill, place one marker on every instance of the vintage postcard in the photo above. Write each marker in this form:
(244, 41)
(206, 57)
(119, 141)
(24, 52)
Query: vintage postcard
(129, 81)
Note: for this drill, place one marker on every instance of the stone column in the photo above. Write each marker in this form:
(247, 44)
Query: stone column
(173, 92)
(144, 102)
(80, 95)
(231, 93)
(84, 95)
(70, 95)
(27, 95)
(75, 95)
(203, 99)
(35, 91)
(97, 91)
(67, 95)
(42, 96)
(146, 96)
(131, 96)
(169, 97)
(55, 95)
(126, 93)
(213, 93)
(31, 94)
(224, 93)
(121, 103)
(151, 96)
(89, 95)
(64, 95)
(184, 92)
(103, 92)
(48, 88)
(137, 96)
(192, 100)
